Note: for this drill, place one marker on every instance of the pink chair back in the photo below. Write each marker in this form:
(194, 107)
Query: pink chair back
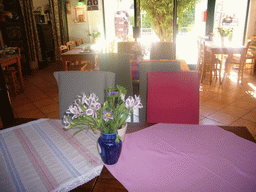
(173, 97)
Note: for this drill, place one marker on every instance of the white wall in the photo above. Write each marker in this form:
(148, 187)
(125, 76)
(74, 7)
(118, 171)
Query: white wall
(93, 22)
(40, 3)
(236, 9)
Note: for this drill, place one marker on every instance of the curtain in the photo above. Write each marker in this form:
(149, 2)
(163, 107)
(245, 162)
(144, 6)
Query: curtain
(59, 24)
(33, 44)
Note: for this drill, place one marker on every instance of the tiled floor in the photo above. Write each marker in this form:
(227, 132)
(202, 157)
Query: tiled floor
(226, 104)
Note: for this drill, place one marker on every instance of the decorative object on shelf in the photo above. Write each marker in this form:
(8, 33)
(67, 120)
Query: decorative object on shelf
(87, 112)
(79, 13)
(228, 19)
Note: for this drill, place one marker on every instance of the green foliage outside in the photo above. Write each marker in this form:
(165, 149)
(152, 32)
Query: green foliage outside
(146, 21)
(160, 13)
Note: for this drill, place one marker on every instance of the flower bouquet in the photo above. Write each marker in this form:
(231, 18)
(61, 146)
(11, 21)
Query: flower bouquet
(87, 112)
(225, 32)
(96, 36)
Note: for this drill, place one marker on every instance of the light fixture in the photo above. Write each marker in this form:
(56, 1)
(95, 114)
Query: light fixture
(80, 2)
(80, 12)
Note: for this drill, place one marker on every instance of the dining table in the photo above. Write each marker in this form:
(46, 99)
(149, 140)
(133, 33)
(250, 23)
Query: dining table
(39, 155)
(215, 48)
(83, 52)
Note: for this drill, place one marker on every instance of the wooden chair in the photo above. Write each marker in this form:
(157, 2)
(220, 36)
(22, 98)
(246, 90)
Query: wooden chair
(11, 72)
(237, 63)
(204, 64)
(173, 97)
(73, 66)
(79, 42)
(251, 57)
(200, 58)
(71, 44)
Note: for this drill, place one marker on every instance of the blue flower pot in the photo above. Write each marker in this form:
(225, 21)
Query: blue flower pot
(109, 149)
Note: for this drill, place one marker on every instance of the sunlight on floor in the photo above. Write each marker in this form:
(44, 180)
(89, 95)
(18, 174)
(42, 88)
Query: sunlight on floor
(233, 76)
(252, 86)
(252, 93)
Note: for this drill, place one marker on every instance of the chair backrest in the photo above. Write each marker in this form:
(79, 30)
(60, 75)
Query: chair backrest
(71, 44)
(125, 47)
(79, 42)
(120, 65)
(74, 83)
(144, 68)
(173, 97)
(162, 50)
(244, 53)
(200, 47)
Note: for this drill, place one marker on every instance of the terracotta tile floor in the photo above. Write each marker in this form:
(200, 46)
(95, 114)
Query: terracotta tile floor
(226, 104)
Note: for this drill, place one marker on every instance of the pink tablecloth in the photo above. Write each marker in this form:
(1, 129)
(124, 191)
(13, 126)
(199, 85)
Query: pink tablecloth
(168, 157)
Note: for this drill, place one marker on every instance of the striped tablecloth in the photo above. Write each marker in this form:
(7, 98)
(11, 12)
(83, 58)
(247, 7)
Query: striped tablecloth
(42, 156)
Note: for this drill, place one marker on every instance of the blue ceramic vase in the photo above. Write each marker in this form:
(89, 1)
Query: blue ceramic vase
(109, 149)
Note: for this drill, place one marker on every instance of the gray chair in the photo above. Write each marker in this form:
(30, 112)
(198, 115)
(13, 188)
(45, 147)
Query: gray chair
(120, 65)
(125, 47)
(162, 50)
(74, 83)
(144, 68)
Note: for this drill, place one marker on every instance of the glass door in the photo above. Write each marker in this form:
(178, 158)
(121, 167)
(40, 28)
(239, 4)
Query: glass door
(119, 22)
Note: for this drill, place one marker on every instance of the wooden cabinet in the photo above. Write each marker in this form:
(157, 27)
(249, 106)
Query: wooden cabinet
(46, 41)
(14, 35)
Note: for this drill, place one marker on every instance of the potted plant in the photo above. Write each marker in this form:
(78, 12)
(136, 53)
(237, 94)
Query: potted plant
(87, 112)
(225, 32)
(96, 36)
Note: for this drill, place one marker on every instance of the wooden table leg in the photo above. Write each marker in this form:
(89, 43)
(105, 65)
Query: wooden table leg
(20, 73)
(211, 65)
(64, 64)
